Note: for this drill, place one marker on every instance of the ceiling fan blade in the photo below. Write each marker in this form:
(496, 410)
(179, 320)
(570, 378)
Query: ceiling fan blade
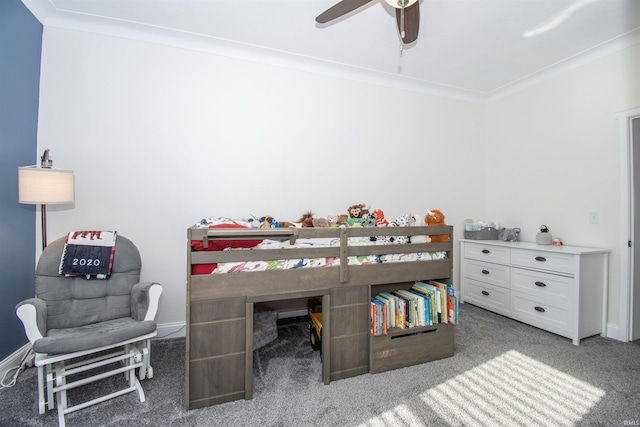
(411, 22)
(340, 9)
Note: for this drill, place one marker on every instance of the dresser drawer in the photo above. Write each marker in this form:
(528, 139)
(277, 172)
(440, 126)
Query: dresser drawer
(542, 285)
(549, 315)
(487, 252)
(484, 295)
(495, 274)
(550, 261)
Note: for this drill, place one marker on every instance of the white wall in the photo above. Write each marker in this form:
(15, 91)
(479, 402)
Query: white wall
(553, 156)
(160, 137)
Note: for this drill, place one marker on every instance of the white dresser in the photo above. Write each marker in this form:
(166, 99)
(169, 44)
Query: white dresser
(562, 289)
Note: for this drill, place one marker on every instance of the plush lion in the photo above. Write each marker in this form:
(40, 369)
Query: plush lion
(356, 213)
(435, 218)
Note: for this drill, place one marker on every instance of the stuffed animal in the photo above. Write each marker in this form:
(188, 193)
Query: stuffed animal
(319, 222)
(421, 238)
(402, 221)
(370, 221)
(355, 215)
(356, 211)
(270, 222)
(381, 221)
(306, 219)
(337, 220)
(436, 218)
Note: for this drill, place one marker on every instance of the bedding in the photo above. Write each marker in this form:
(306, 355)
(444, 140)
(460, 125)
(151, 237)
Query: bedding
(300, 243)
(286, 264)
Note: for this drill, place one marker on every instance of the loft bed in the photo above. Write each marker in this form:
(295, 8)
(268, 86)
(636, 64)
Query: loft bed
(249, 265)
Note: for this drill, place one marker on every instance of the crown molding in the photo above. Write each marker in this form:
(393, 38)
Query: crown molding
(604, 49)
(50, 17)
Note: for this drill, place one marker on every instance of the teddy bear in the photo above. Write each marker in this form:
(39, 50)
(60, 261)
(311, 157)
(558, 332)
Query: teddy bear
(337, 220)
(436, 218)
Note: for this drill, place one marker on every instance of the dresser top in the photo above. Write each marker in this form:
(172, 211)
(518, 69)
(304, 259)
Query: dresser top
(576, 250)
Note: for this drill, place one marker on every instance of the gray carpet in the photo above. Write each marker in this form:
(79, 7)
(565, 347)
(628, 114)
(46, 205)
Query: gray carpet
(503, 373)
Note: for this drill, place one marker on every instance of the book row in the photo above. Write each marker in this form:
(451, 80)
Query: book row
(425, 304)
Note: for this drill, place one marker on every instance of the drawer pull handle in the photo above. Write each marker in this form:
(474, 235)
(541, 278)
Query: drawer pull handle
(540, 309)
(486, 251)
(485, 293)
(485, 271)
(541, 284)
(540, 258)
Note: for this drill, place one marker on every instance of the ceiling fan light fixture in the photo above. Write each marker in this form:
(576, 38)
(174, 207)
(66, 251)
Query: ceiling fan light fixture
(398, 3)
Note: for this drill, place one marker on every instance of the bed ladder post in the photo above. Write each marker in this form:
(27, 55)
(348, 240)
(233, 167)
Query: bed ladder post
(248, 356)
(344, 259)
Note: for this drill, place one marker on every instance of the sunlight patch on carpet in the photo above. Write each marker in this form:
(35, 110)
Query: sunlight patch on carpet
(400, 416)
(512, 389)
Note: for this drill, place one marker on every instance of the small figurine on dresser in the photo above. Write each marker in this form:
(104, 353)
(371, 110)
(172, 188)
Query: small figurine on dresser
(544, 237)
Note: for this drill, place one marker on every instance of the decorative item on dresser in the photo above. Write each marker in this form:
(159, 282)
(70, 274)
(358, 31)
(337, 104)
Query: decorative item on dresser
(562, 289)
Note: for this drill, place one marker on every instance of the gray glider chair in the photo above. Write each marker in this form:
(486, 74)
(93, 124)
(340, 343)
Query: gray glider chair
(100, 327)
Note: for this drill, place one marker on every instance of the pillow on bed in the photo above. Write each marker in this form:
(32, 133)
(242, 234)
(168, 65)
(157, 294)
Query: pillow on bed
(203, 268)
(219, 245)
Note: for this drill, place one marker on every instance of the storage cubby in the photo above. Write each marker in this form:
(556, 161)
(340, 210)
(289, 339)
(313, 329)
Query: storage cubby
(400, 348)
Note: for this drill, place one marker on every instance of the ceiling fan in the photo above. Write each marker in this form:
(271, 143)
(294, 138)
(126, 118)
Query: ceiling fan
(407, 15)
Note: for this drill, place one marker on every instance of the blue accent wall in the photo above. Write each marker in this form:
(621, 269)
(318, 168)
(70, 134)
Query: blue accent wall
(20, 48)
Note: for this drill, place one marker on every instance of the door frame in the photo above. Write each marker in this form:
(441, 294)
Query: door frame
(626, 222)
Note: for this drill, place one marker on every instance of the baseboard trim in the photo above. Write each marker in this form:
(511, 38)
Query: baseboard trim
(613, 332)
(171, 330)
(13, 360)
(291, 313)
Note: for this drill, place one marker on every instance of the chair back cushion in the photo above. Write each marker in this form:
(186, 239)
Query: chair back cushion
(76, 301)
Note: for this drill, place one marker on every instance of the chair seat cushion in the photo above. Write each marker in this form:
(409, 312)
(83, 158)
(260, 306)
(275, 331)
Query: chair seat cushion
(69, 340)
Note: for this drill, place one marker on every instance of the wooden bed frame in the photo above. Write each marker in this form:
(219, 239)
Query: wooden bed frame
(219, 353)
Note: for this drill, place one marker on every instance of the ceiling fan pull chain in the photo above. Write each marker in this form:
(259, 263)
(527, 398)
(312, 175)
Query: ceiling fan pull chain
(402, 3)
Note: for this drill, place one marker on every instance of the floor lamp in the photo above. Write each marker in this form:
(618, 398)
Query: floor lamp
(43, 186)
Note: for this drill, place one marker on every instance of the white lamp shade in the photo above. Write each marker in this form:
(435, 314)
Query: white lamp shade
(45, 186)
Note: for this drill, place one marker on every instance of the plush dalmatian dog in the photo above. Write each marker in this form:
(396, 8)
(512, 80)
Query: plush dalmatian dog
(402, 221)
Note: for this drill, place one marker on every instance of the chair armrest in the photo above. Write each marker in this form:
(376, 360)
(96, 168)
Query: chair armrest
(144, 300)
(33, 314)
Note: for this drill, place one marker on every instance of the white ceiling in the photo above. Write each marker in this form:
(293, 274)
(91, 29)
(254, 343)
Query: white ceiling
(474, 48)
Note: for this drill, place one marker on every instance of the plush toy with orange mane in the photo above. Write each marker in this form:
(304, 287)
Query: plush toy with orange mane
(436, 218)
